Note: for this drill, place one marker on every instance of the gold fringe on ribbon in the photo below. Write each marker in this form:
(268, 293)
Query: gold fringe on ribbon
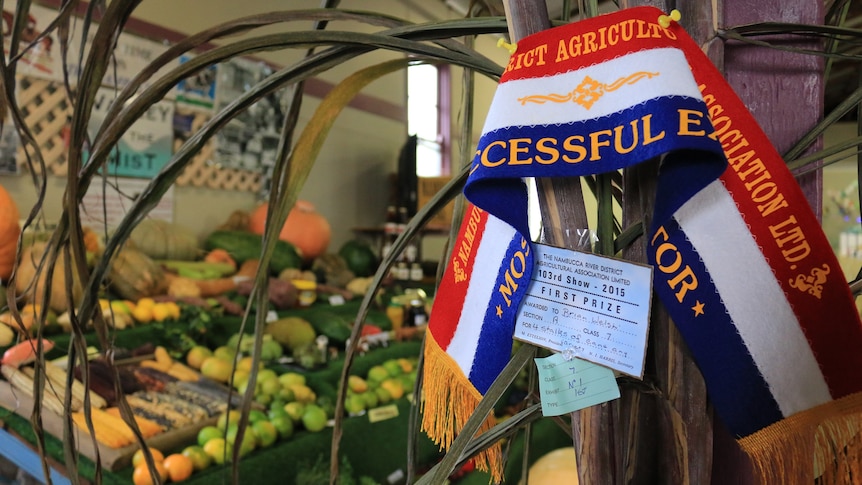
(449, 400)
(820, 443)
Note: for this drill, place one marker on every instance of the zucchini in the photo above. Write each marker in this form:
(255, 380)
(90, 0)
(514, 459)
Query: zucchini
(243, 246)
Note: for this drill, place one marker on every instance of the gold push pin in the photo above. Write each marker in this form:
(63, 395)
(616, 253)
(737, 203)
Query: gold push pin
(664, 20)
(509, 47)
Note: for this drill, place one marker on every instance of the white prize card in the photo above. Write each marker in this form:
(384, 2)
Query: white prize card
(588, 306)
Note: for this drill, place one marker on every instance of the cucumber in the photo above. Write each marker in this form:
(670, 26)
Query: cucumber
(243, 246)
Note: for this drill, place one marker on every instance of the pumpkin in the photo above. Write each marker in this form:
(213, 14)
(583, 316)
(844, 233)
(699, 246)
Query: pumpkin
(9, 232)
(305, 228)
(32, 292)
(160, 239)
(134, 275)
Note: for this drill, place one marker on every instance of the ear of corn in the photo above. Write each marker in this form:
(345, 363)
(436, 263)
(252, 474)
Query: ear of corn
(55, 389)
(25, 384)
(148, 428)
(106, 434)
(183, 372)
(58, 377)
(162, 357)
(154, 364)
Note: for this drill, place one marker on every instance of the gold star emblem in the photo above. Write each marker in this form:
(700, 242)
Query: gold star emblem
(499, 311)
(698, 308)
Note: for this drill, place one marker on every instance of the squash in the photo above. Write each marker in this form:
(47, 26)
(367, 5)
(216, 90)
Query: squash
(134, 275)
(305, 228)
(180, 287)
(9, 232)
(160, 239)
(26, 276)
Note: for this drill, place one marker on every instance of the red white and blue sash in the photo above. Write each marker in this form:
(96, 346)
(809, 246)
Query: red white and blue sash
(740, 261)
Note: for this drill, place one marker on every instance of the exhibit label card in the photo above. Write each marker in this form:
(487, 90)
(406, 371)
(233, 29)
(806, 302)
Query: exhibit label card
(566, 386)
(589, 306)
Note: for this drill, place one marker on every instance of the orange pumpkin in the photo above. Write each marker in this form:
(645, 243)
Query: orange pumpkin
(9, 232)
(305, 228)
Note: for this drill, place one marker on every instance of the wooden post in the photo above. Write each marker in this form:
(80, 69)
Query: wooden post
(561, 204)
(665, 431)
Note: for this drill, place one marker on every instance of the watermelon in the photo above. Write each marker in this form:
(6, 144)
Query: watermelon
(243, 246)
(360, 258)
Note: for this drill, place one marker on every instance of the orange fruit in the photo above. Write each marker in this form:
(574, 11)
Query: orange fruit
(141, 475)
(199, 457)
(138, 457)
(179, 466)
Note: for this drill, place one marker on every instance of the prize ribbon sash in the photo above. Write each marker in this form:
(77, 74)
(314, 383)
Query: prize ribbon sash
(740, 261)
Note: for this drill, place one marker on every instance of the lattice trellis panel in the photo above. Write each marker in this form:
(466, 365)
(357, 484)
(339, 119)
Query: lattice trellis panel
(204, 171)
(46, 111)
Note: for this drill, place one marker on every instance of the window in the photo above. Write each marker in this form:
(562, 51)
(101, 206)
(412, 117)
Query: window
(428, 117)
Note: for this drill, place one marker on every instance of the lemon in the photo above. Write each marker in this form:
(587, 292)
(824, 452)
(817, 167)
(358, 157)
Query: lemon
(119, 306)
(207, 433)
(265, 433)
(173, 310)
(289, 378)
(227, 419)
(314, 418)
(143, 314)
(196, 356)
(217, 449)
(200, 459)
(216, 369)
(146, 302)
(161, 312)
